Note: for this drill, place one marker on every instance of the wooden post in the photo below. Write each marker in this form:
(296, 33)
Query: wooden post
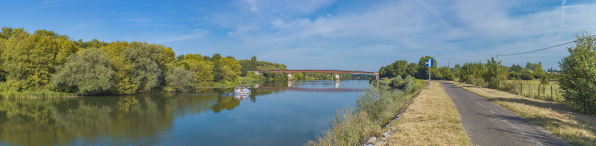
(551, 93)
(529, 88)
(538, 89)
(521, 91)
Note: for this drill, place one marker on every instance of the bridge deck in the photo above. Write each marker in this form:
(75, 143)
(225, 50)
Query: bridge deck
(316, 70)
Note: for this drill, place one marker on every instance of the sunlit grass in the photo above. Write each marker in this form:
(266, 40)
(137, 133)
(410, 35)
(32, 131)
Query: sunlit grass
(431, 119)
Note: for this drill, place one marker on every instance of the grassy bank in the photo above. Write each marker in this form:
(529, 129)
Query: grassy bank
(555, 117)
(431, 119)
(352, 126)
(35, 94)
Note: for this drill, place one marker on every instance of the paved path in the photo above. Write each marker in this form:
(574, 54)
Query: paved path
(489, 124)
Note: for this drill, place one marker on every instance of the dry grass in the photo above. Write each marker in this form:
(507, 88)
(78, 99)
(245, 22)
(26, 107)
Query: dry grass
(431, 119)
(555, 117)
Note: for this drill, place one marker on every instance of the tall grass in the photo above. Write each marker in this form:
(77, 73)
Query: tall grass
(35, 94)
(352, 126)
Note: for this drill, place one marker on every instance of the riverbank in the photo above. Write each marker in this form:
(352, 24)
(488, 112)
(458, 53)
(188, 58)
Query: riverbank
(555, 117)
(431, 119)
(353, 126)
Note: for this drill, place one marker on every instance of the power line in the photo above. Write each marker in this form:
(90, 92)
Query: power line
(542, 48)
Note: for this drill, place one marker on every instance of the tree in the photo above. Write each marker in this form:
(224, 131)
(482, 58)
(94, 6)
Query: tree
(179, 78)
(87, 70)
(90, 44)
(233, 69)
(412, 69)
(203, 69)
(400, 68)
(146, 74)
(423, 70)
(122, 67)
(32, 59)
(494, 73)
(578, 75)
(253, 63)
(218, 72)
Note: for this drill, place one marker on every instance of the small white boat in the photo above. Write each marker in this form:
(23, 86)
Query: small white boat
(241, 90)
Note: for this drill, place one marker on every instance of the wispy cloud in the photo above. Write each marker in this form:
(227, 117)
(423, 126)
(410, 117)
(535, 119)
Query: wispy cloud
(195, 34)
(436, 13)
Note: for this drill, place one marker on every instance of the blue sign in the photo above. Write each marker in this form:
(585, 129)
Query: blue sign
(429, 63)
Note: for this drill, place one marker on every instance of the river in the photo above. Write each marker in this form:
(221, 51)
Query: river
(274, 114)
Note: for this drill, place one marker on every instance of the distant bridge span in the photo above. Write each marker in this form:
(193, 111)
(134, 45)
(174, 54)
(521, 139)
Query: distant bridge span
(314, 70)
(336, 72)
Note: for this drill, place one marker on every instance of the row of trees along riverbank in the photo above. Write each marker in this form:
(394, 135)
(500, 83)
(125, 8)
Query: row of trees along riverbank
(46, 64)
(576, 78)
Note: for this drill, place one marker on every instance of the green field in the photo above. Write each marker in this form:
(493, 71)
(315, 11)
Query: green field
(533, 88)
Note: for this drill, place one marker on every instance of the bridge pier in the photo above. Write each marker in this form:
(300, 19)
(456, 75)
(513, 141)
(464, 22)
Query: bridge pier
(337, 78)
(290, 78)
(290, 83)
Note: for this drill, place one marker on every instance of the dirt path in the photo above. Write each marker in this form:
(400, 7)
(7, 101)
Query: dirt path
(489, 124)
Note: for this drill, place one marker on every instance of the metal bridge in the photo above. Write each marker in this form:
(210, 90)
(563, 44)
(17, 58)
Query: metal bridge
(314, 70)
(336, 72)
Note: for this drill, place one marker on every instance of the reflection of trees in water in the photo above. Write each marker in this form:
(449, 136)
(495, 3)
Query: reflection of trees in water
(141, 119)
(61, 121)
(225, 103)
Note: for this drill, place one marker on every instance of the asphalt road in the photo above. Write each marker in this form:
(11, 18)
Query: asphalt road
(489, 124)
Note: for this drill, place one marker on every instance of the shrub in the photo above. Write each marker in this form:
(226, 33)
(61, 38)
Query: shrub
(351, 126)
(396, 82)
(578, 75)
(87, 70)
(180, 79)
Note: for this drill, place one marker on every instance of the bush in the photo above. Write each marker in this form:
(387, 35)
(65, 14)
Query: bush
(578, 75)
(180, 79)
(88, 71)
(396, 82)
(351, 126)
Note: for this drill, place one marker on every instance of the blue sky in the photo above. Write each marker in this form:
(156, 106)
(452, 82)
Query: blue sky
(323, 34)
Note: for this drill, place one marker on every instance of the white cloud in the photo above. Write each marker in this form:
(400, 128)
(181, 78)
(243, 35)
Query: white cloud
(243, 29)
(471, 31)
(197, 33)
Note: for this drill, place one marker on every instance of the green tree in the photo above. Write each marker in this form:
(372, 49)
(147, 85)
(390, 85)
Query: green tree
(400, 68)
(179, 78)
(146, 74)
(89, 44)
(578, 77)
(233, 69)
(218, 71)
(494, 73)
(203, 69)
(253, 63)
(412, 69)
(423, 70)
(87, 70)
(31, 61)
(122, 67)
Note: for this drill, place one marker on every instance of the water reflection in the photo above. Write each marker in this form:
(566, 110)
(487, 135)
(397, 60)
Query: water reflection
(141, 119)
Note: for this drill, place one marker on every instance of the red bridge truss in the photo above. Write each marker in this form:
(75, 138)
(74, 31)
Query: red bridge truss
(315, 70)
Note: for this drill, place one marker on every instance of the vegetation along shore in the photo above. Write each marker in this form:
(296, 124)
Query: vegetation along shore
(45, 64)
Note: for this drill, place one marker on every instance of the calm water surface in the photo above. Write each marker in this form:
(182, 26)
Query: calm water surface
(274, 114)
